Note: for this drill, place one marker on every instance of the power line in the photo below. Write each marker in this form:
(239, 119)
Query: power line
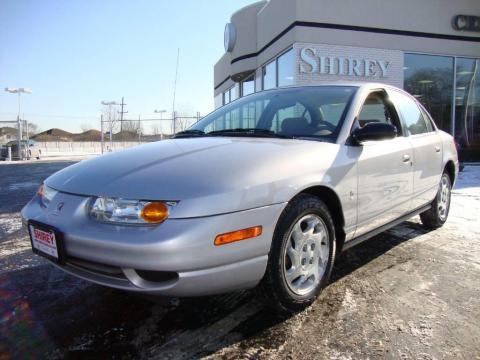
(55, 116)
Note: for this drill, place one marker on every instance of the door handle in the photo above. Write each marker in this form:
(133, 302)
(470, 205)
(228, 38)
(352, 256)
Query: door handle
(437, 149)
(406, 158)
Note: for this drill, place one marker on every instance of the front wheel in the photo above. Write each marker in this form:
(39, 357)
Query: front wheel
(301, 256)
(437, 215)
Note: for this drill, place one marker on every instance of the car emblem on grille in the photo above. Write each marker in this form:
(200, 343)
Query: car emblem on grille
(60, 206)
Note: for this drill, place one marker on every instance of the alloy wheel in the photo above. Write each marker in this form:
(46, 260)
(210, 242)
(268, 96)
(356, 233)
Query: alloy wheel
(306, 254)
(444, 198)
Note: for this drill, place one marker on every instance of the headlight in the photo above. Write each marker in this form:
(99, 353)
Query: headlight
(46, 194)
(129, 211)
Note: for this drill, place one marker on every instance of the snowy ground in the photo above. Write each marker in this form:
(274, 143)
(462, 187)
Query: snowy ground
(48, 159)
(405, 294)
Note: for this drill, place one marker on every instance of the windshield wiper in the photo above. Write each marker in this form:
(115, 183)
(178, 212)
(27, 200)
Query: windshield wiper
(188, 133)
(254, 132)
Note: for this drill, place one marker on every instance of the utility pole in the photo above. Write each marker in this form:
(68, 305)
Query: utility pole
(102, 136)
(121, 112)
(139, 130)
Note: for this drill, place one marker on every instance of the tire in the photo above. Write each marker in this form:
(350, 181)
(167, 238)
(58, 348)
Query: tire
(311, 257)
(437, 215)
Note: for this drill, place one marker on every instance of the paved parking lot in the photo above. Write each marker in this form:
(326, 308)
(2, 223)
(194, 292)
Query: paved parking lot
(407, 294)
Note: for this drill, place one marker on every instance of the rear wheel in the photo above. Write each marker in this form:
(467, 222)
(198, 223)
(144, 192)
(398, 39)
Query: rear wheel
(301, 256)
(437, 215)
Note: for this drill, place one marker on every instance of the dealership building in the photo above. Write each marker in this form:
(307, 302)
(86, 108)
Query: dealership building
(431, 48)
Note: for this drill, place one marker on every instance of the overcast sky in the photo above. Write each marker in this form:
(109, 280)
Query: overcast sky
(74, 54)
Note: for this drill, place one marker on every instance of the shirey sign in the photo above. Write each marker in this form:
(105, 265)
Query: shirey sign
(339, 65)
(321, 62)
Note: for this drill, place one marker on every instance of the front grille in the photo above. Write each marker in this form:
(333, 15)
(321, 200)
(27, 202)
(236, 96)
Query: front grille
(96, 268)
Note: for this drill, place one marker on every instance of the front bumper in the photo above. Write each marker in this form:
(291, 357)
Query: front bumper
(178, 254)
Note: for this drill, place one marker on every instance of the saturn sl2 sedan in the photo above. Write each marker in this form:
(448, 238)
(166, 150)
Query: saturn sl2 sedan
(263, 192)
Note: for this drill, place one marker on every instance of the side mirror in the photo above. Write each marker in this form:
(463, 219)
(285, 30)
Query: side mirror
(374, 131)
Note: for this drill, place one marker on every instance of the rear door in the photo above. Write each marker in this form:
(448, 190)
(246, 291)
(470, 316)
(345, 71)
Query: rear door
(427, 148)
(385, 176)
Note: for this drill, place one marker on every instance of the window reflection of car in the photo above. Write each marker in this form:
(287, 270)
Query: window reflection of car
(29, 150)
(266, 191)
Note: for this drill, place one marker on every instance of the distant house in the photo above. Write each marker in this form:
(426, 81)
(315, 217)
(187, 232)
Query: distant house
(7, 134)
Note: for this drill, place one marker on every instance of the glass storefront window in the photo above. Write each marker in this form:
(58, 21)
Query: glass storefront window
(270, 75)
(234, 92)
(230, 95)
(248, 85)
(467, 108)
(286, 67)
(430, 79)
(226, 97)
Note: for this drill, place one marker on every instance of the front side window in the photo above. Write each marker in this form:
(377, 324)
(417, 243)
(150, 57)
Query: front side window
(294, 112)
(377, 109)
(374, 110)
(410, 112)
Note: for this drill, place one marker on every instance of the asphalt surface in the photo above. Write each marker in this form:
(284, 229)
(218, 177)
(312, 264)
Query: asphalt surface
(405, 294)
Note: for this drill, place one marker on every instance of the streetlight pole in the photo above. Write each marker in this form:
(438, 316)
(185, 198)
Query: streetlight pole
(161, 112)
(19, 91)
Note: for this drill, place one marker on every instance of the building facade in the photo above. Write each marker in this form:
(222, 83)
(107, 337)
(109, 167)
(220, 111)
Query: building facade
(431, 48)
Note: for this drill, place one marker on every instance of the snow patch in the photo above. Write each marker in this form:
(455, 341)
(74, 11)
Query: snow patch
(22, 185)
(10, 223)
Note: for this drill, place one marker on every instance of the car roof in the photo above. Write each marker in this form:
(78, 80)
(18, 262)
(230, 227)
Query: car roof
(357, 84)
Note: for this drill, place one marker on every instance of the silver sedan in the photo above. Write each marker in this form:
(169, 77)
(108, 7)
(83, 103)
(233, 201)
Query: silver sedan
(265, 191)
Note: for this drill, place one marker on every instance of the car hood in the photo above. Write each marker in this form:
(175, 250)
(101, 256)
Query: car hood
(207, 176)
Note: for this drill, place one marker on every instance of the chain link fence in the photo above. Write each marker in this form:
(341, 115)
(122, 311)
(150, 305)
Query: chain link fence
(142, 130)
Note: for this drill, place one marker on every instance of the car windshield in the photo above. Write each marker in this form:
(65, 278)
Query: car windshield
(309, 112)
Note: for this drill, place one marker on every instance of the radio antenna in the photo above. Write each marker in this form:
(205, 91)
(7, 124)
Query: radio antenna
(175, 82)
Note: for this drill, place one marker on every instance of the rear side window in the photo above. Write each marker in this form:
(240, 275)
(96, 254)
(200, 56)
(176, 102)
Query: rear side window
(428, 120)
(412, 116)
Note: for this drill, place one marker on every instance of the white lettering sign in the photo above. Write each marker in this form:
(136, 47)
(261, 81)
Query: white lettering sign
(311, 62)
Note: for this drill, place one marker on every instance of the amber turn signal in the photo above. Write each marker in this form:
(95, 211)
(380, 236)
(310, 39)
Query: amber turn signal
(238, 235)
(41, 190)
(154, 212)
